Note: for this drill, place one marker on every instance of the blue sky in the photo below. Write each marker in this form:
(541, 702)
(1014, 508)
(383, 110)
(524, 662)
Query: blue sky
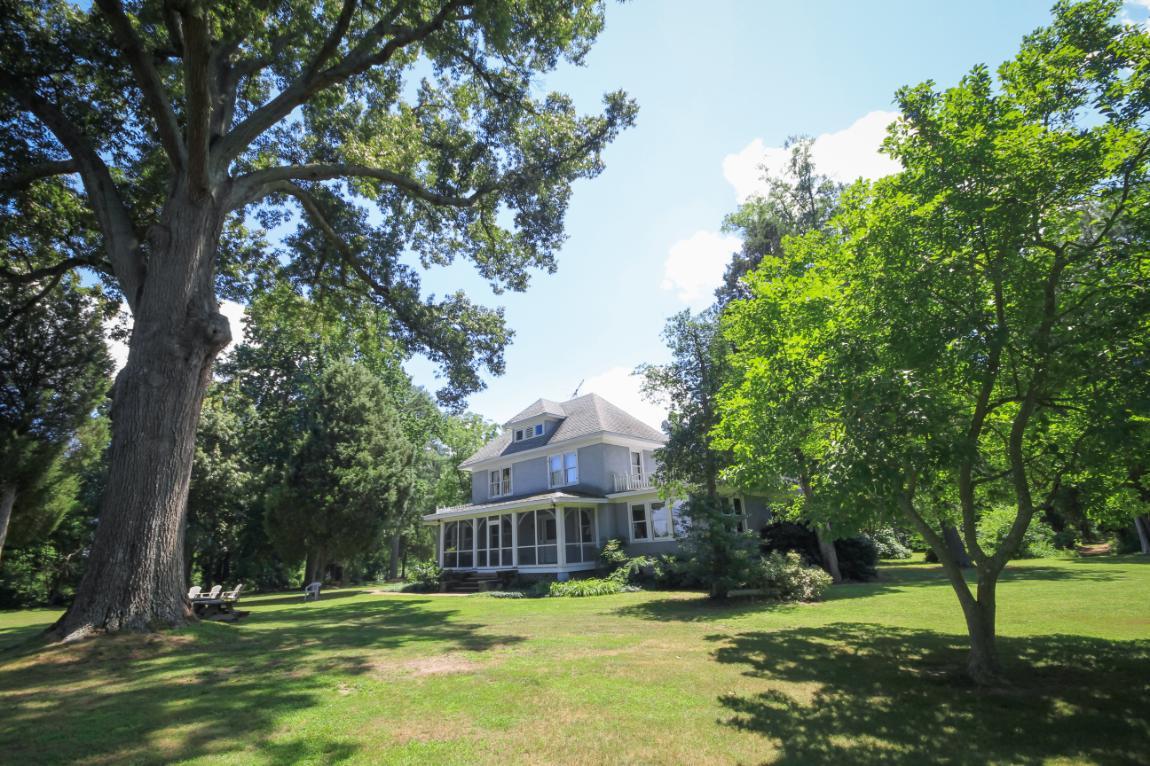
(718, 85)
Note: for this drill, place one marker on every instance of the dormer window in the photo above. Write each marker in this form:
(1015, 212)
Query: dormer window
(528, 432)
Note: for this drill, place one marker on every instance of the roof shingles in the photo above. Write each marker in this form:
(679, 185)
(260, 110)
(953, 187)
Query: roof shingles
(583, 416)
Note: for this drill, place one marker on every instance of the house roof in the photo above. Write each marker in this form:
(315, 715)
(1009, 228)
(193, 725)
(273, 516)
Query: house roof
(566, 495)
(538, 408)
(581, 416)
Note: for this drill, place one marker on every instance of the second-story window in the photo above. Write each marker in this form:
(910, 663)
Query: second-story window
(500, 482)
(563, 469)
(637, 466)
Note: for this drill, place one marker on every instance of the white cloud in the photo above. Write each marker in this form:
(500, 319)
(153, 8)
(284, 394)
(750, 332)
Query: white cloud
(694, 266)
(618, 386)
(845, 155)
(1135, 12)
(119, 349)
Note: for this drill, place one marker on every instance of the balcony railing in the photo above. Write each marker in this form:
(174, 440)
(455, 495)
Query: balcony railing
(630, 482)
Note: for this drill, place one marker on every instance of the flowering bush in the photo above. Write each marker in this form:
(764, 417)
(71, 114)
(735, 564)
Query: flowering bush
(785, 577)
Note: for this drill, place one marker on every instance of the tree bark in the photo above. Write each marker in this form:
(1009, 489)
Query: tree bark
(954, 543)
(828, 553)
(134, 579)
(7, 501)
(1141, 523)
(982, 663)
(393, 559)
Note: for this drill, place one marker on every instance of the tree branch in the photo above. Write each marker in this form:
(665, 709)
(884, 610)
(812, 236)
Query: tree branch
(331, 44)
(18, 180)
(197, 87)
(55, 270)
(252, 186)
(148, 79)
(104, 198)
(363, 57)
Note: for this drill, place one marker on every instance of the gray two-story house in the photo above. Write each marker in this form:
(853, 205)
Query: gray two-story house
(555, 485)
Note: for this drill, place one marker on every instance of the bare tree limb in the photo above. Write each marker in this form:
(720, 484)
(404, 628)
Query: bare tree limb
(18, 180)
(148, 79)
(55, 270)
(252, 186)
(363, 57)
(104, 198)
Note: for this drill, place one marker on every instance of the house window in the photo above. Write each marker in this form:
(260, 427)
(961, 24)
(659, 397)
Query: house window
(652, 521)
(579, 535)
(563, 469)
(529, 432)
(637, 466)
(736, 510)
(538, 538)
(458, 544)
(500, 480)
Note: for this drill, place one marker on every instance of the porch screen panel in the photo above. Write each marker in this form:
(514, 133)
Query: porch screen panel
(547, 535)
(481, 542)
(579, 535)
(466, 544)
(527, 538)
(587, 534)
(451, 544)
(505, 535)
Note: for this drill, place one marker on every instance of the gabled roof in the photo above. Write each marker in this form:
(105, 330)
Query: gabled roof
(539, 408)
(583, 416)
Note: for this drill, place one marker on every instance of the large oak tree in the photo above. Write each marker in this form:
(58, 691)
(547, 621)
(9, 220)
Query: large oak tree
(405, 130)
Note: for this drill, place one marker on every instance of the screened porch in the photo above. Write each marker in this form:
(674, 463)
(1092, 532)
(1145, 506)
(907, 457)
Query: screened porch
(543, 540)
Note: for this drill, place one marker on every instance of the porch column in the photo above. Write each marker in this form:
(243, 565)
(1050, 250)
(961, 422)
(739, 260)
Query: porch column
(442, 527)
(560, 537)
(515, 539)
(475, 543)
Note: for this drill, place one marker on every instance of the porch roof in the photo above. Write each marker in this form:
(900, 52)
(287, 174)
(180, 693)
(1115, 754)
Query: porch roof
(512, 504)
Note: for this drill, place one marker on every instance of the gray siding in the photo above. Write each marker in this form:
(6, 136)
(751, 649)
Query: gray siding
(479, 487)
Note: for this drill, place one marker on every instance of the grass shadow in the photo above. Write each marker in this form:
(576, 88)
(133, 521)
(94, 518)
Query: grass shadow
(871, 694)
(166, 697)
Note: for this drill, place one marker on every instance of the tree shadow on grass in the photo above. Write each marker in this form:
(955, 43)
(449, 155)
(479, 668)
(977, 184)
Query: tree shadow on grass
(213, 689)
(296, 597)
(871, 694)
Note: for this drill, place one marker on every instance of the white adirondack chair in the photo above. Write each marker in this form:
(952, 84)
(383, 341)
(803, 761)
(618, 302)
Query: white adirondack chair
(194, 592)
(213, 593)
(312, 591)
(234, 594)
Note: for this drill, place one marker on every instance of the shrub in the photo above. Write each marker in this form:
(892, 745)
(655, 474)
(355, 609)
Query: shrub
(857, 558)
(502, 594)
(593, 586)
(786, 578)
(539, 588)
(424, 576)
(1037, 543)
(888, 544)
(714, 552)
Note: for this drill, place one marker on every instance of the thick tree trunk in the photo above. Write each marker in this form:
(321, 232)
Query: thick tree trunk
(7, 501)
(1141, 523)
(954, 544)
(393, 559)
(828, 553)
(134, 579)
(982, 664)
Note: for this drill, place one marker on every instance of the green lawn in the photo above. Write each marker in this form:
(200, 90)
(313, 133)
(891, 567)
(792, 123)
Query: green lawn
(362, 677)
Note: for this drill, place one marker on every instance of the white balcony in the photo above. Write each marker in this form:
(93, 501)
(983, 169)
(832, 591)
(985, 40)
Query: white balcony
(631, 482)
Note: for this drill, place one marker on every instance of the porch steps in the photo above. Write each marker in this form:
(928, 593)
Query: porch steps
(473, 582)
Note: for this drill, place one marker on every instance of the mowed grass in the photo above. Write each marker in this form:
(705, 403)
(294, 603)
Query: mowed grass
(870, 676)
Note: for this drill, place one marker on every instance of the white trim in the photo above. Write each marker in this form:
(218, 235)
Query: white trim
(602, 437)
(523, 504)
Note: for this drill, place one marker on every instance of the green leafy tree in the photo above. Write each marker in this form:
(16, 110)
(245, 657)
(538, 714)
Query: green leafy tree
(349, 474)
(798, 200)
(968, 310)
(54, 368)
(411, 127)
